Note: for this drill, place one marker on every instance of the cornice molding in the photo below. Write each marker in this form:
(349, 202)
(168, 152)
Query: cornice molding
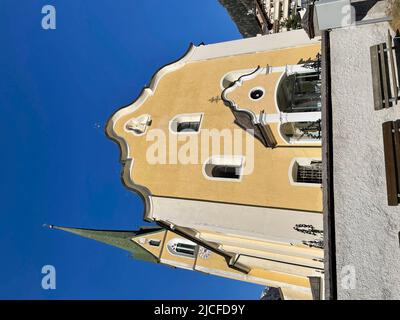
(126, 158)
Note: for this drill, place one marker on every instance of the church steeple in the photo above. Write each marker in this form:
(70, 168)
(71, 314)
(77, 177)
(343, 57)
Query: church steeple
(119, 239)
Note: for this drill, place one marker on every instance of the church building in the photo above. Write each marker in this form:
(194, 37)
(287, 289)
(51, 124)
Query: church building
(224, 148)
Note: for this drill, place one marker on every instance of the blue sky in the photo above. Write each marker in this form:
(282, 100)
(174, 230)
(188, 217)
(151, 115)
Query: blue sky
(57, 89)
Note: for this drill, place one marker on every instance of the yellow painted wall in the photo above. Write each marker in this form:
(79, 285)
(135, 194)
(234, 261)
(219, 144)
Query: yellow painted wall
(159, 235)
(189, 90)
(267, 102)
(187, 261)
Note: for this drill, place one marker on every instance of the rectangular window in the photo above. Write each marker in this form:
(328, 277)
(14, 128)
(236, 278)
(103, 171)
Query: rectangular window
(185, 248)
(307, 92)
(186, 123)
(229, 172)
(189, 126)
(224, 167)
(311, 173)
(300, 92)
(154, 243)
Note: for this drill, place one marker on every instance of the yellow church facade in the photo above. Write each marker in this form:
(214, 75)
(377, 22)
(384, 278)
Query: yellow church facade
(224, 147)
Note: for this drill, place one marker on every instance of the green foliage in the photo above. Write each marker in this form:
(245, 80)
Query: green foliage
(293, 22)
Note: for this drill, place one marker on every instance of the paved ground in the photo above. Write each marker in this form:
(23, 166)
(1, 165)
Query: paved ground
(366, 227)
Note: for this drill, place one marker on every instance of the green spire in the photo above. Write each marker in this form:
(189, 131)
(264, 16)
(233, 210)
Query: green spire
(119, 239)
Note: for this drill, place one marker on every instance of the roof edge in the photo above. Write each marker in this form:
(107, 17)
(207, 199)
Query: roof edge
(126, 159)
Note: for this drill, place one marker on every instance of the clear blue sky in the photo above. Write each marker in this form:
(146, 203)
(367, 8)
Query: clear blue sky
(57, 89)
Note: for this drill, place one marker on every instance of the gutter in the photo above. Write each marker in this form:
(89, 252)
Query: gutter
(330, 274)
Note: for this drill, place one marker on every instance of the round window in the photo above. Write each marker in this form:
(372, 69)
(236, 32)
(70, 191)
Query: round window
(256, 93)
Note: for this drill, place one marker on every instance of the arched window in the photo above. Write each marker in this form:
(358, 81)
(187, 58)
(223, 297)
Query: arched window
(182, 247)
(224, 167)
(225, 171)
(188, 123)
(300, 92)
(189, 126)
(306, 171)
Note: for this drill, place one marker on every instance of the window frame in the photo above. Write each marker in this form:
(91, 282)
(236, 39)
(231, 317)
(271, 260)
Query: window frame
(186, 118)
(152, 241)
(280, 92)
(292, 173)
(236, 161)
(175, 242)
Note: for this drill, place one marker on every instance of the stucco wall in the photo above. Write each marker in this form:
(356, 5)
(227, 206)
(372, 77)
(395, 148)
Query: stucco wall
(189, 90)
(366, 227)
